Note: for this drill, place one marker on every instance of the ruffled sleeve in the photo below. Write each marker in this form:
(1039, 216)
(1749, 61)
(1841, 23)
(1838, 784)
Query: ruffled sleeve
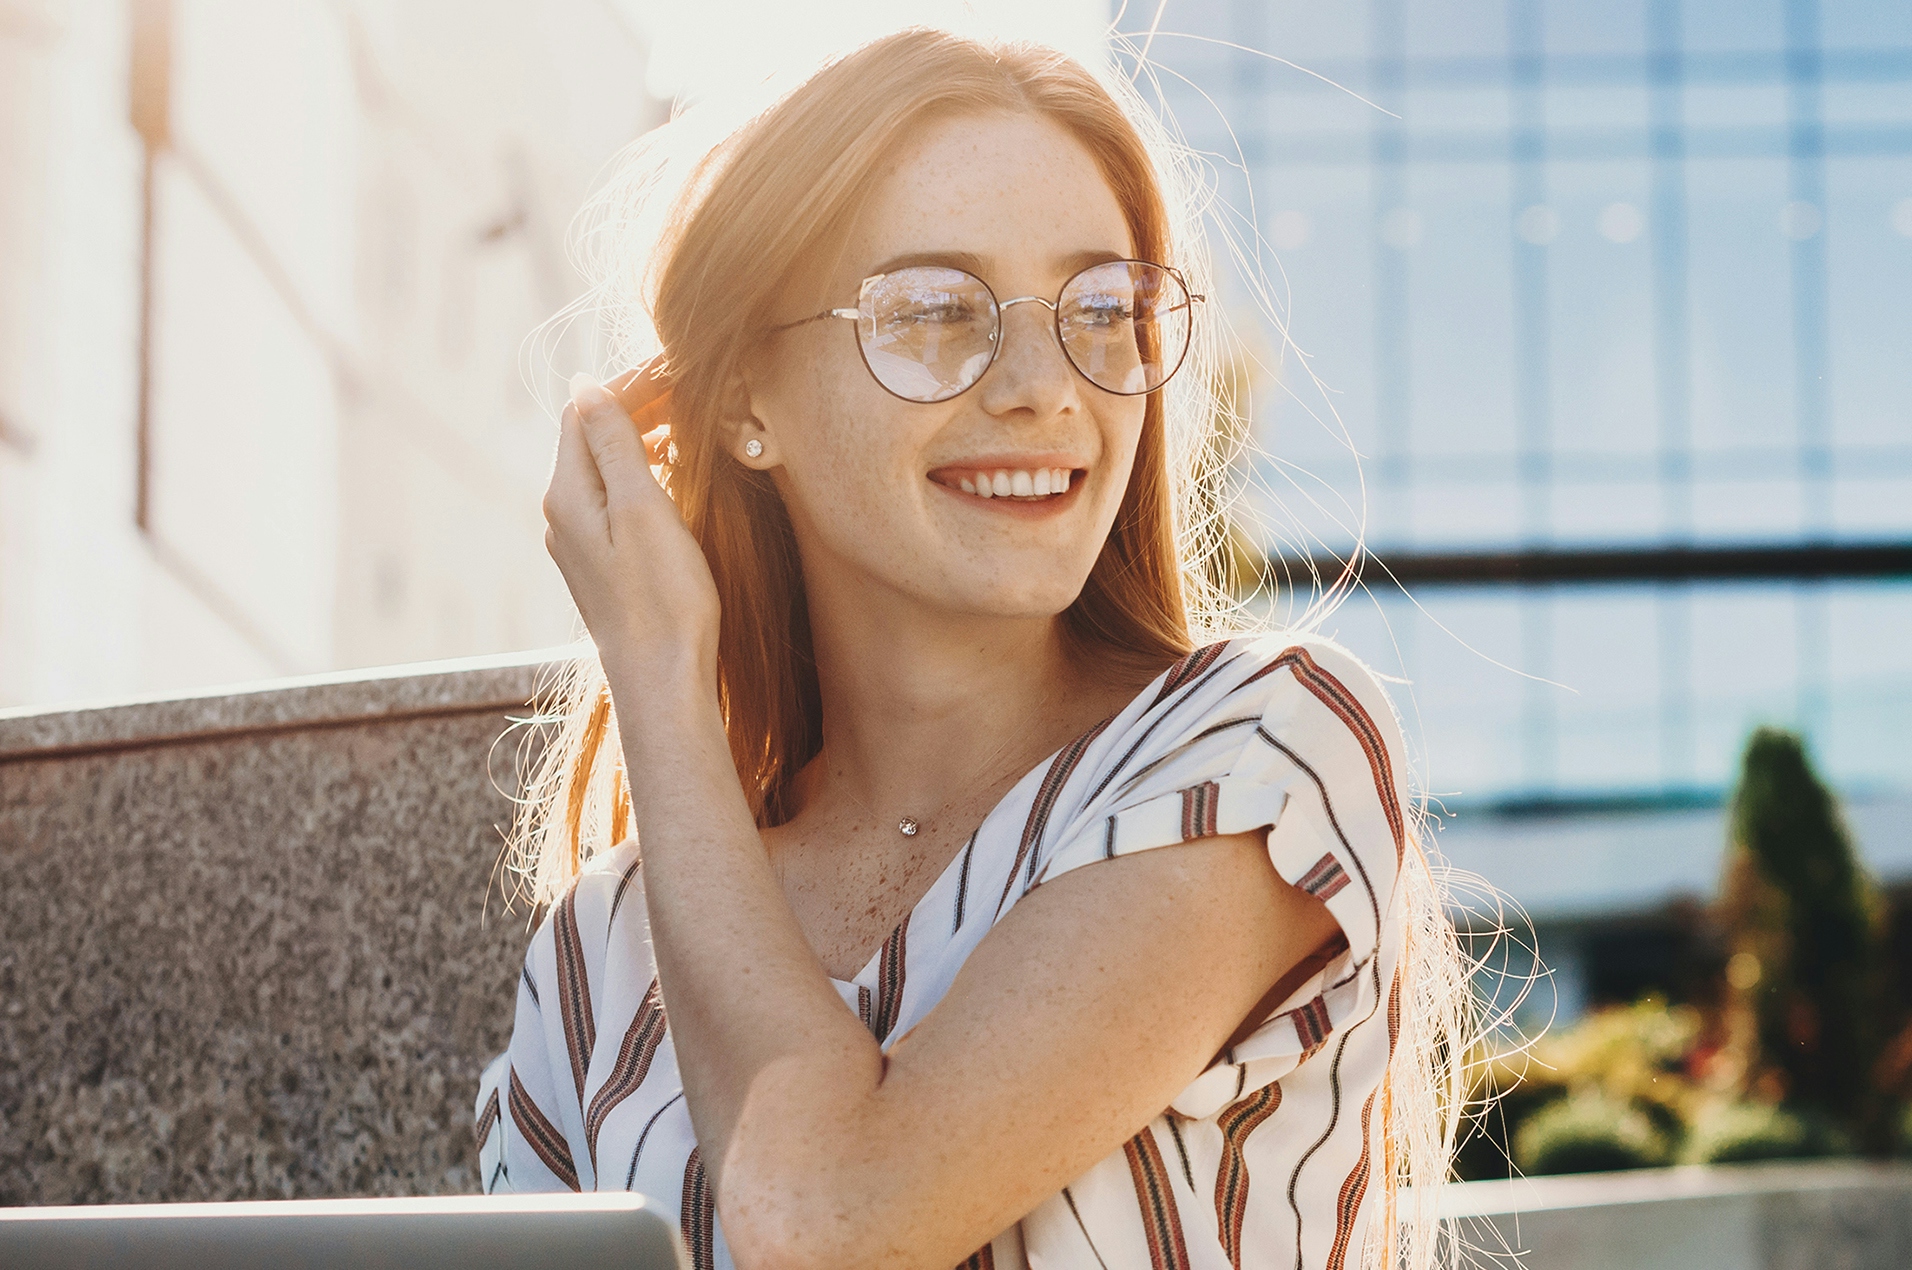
(1297, 737)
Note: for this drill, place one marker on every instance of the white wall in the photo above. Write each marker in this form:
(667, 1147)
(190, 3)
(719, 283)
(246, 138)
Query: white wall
(361, 219)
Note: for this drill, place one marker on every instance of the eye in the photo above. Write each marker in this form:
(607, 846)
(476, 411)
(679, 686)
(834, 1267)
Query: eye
(1101, 309)
(935, 308)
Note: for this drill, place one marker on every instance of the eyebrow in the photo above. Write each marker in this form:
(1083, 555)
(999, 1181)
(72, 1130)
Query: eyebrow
(970, 262)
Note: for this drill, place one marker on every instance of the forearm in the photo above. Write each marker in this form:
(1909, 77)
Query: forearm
(753, 1015)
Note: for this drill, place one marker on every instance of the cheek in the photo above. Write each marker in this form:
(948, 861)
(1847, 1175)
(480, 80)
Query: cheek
(1122, 436)
(849, 456)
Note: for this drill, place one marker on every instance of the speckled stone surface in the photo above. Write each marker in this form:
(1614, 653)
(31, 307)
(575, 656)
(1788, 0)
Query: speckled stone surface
(252, 946)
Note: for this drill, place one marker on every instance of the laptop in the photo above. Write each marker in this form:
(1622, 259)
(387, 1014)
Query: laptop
(470, 1232)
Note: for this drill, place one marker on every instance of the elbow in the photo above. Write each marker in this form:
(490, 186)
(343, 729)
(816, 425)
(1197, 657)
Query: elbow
(809, 1191)
(760, 1240)
(782, 1221)
(767, 1233)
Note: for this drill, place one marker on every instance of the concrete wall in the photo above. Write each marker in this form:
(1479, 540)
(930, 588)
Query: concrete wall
(251, 943)
(1814, 1216)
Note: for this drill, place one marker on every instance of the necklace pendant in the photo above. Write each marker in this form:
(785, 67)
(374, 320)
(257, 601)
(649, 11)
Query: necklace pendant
(907, 826)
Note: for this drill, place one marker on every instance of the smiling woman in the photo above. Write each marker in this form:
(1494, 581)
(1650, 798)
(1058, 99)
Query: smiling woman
(933, 873)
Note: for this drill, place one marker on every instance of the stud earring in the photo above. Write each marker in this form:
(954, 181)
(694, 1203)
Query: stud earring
(753, 448)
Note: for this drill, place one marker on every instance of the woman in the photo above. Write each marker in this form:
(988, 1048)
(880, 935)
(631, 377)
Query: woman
(985, 911)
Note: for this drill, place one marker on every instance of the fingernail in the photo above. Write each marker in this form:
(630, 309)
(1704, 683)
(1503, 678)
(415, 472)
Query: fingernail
(582, 382)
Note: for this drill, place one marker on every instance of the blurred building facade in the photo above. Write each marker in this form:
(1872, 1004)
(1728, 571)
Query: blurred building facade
(266, 279)
(270, 395)
(1612, 296)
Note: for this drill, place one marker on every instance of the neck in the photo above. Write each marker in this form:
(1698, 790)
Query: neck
(925, 709)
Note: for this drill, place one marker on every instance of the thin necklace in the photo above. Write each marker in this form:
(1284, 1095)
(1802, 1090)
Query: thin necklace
(910, 826)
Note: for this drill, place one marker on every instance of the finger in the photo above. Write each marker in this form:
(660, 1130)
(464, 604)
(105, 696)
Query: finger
(615, 445)
(576, 491)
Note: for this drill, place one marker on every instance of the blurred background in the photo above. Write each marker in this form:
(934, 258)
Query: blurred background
(1613, 297)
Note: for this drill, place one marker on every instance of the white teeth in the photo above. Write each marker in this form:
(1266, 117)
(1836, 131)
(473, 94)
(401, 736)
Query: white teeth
(1021, 483)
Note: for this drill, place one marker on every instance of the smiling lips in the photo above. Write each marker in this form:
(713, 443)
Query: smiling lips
(1009, 482)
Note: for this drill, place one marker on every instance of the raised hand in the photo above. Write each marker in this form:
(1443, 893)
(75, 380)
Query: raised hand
(639, 579)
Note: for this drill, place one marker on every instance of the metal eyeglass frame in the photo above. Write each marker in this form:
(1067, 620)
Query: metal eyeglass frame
(996, 342)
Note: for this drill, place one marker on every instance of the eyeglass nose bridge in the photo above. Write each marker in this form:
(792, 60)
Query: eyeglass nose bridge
(996, 336)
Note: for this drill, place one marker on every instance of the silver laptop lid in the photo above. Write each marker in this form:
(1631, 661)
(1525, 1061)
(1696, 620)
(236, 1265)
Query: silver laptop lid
(472, 1232)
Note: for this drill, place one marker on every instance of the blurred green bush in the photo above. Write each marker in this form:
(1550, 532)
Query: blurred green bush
(1589, 1133)
(1788, 1056)
(1741, 1132)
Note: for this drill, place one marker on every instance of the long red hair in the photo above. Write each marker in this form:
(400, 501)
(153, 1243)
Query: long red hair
(758, 212)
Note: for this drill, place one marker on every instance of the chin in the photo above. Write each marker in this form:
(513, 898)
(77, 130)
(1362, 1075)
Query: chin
(1019, 603)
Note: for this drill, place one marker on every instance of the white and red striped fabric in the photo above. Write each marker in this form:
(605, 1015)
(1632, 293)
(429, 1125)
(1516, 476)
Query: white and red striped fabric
(1270, 1158)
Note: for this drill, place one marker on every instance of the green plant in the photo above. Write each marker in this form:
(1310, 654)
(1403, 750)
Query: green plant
(1589, 1133)
(1806, 971)
(1741, 1132)
(1629, 1053)
(1631, 1057)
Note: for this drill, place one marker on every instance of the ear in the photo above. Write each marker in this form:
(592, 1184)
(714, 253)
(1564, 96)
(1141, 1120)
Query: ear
(745, 436)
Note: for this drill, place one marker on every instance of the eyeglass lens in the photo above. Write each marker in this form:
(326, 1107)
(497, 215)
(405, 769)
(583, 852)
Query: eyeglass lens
(928, 332)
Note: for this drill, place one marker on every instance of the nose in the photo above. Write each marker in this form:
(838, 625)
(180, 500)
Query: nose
(1031, 371)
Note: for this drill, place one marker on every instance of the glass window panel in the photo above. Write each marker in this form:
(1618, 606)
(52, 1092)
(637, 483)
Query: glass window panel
(1739, 286)
(1763, 510)
(1297, 104)
(1319, 261)
(1738, 109)
(1450, 110)
(1867, 737)
(1490, 733)
(1599, 115)
(1456, 28)
(1880, 102)
(1744, 671)
(1866, 24)
(1610, 27)
(1734, 24)
(1467, 513)
(1460, 310)
(1304, 32)
(1869, 263)
(1607, 511)
(1606, 649)
(1470, 710)
(1770, 463)
(1873, 507)
(1600, 310)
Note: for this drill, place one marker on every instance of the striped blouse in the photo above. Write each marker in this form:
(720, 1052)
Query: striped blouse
(1270, 1157)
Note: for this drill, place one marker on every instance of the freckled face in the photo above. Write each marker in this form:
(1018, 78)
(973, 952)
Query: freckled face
(877, 487)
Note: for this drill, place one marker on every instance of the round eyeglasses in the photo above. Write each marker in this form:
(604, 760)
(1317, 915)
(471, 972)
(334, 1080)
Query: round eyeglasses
(929, 332)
